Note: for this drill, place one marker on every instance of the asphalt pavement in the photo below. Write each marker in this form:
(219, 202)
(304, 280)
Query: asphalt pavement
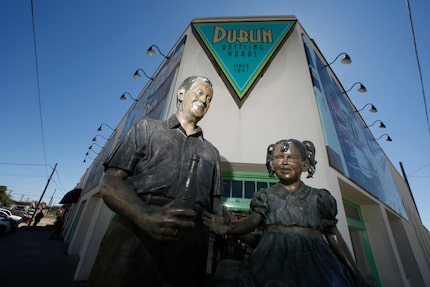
(29, 257)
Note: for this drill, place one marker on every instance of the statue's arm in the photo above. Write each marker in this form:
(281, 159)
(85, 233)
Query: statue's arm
(161, 223)
(121, 198)
(225, 224)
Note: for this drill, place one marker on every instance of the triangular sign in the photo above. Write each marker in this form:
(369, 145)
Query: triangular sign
(241, 50)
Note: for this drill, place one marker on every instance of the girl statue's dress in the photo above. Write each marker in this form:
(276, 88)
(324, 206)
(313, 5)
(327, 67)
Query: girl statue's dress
(292, 250)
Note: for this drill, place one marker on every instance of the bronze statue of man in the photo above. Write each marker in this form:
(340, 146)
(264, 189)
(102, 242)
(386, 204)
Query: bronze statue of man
(150, 241)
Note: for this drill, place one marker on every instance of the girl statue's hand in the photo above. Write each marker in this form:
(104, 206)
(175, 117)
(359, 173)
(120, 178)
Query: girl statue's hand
(218, 224)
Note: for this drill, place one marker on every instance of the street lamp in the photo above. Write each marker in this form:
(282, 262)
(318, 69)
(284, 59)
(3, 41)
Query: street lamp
(85, 159)
(101, 127)
(87, 153)
(91, 146)
(372, 109)
(388, 138)
(150, 52)
(345, 60)
(123, 97)
(136, 74)
(361, 89)
(95, 138)
(381, 124)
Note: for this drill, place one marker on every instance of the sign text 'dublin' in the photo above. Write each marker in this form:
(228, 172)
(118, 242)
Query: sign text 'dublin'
(242, 36)
(242, 50)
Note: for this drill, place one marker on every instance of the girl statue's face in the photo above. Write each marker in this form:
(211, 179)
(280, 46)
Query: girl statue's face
(287, 163)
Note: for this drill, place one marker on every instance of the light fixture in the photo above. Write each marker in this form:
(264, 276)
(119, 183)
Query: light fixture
(91, 146)
(150, 52)
(361, 89)
(88, 152)
(101, 127)
(85, 159)
(345, 60)
(123, 97)
(388, 138)
(136, 74)
(381, 124)
(372, 109)
(95, 138)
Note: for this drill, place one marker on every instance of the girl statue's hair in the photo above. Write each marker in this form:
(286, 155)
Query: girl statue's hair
(306, 148)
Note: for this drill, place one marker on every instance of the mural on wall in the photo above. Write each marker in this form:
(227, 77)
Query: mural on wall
(152, 103)
(241, 50)
(351, 148)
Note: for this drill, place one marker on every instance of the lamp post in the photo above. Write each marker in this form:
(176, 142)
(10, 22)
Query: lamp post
(91, 146)
(372, 108)
(101, 127)
(123, 97)
(150, 52)
(136, 74)
(95, 138)
(85, 159)
(87, 153)
(381, 124)
(388, 138)
(345, 60)
(361, 89)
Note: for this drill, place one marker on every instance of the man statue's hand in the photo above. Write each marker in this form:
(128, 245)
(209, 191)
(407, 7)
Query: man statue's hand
(168, 223)
(218, 224)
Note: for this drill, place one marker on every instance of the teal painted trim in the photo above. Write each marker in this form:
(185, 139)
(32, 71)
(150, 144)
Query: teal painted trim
(240, 175)
(366, 243)
(234, 203)
(355, 224)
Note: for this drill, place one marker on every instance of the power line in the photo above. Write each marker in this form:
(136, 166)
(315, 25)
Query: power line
(418, 63)
(28, 164)
(418, 169)
(38, 82)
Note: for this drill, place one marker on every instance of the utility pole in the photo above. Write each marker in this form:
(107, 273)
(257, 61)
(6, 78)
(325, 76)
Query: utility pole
(50, 201)
(43, 193)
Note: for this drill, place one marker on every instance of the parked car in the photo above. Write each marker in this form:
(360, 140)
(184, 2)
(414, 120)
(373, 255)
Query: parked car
(8, 224)
(17, 218)
(5, 226)
(26, 217)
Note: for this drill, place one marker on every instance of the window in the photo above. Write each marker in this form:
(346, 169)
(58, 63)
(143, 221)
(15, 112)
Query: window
(239, 188)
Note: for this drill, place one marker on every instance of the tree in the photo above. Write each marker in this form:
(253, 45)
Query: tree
(4, 198)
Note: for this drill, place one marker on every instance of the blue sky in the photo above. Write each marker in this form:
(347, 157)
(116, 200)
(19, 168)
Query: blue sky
(87, 52)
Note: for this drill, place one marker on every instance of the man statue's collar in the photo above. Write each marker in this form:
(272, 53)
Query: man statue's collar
(173, 122)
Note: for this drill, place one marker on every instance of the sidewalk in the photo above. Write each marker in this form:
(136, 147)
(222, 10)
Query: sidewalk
(30, 258)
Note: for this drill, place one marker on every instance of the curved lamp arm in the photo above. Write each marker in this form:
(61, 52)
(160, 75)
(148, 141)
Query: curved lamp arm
(150, 52)
(361, 89)
(372, 109)
(137, 75)
(123, 97)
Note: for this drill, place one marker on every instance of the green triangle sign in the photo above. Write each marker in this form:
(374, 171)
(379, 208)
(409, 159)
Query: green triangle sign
(241, 50)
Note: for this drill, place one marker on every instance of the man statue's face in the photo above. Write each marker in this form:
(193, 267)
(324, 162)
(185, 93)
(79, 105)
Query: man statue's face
(197, 99)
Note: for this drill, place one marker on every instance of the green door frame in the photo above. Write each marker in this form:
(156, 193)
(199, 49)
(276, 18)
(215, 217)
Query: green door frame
(359, 225)
(242, 203)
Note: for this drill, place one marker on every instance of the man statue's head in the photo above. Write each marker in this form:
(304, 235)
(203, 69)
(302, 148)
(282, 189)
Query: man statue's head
(194, 97)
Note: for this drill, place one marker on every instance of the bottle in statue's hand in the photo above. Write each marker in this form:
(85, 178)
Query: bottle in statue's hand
(186, 195)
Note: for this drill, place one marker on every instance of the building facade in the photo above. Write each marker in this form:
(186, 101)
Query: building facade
(271, 82)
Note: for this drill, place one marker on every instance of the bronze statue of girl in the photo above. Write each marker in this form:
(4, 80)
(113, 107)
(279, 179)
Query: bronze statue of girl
(300, 244)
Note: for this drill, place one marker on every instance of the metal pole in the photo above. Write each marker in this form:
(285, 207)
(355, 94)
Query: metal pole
(43, 193)
(50, 202)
